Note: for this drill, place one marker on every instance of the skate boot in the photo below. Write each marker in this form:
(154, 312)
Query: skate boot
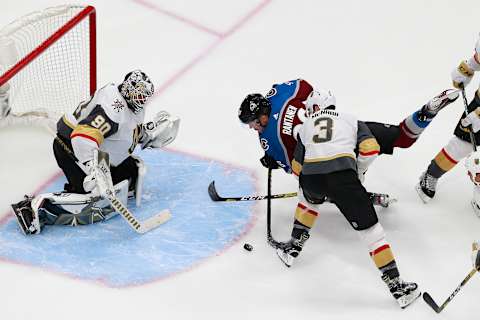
(289, 251)
(437, 103)
(27, 218)
(381, 199)
(404, 292)
(426, 187)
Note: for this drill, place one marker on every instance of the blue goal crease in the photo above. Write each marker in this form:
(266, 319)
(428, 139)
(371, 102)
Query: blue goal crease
(112, 253)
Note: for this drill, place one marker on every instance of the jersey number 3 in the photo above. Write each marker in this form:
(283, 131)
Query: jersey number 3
(324, 127)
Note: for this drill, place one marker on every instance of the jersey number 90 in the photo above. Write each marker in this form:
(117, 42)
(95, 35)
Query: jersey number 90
(100, 123)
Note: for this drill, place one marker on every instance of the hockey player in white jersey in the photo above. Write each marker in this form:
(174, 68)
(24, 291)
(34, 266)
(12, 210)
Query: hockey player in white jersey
(328, 166)
(112, 121)
(460, 145)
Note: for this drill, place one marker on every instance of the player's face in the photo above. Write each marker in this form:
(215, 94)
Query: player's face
(259, 124)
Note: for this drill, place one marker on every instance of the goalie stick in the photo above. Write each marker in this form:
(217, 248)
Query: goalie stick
(139, 226)
(105, 185)
(212, 192)
(429, 300)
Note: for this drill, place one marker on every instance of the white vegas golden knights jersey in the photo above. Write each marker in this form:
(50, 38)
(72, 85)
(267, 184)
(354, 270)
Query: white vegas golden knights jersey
(327, 142)
(105, 122)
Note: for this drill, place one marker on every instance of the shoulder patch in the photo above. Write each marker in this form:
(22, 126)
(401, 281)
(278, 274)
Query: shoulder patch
(264, 144)
(271, 93)
(118, 105)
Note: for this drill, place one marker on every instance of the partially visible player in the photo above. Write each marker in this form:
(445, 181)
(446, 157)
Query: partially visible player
(327, 165)
(112, 121)
(4, 105)
(279, 115)
(459, 145)
(476, 255)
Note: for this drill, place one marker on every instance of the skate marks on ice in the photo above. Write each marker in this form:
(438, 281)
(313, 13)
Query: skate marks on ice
(110, 253)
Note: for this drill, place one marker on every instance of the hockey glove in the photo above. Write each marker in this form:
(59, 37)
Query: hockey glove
(161, 131)
(268, 162)
(473, 119)
(463, 74)
(476, 255)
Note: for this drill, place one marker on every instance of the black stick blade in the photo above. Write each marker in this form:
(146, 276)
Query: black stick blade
(212, 192)
(429, 300)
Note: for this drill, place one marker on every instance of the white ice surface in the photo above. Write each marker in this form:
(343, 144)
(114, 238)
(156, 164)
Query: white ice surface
(382, 59)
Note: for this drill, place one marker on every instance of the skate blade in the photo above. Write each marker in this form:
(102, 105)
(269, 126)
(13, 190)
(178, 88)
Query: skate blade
(425, 199)
(409, 299)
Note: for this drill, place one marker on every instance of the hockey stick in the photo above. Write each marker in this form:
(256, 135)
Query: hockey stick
(212, 192)
(139, 226)
(105, 185)
(470, 131)
(429, 300)
(270, 239)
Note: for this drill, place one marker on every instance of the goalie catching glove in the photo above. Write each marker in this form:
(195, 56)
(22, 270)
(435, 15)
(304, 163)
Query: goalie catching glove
(160, 132)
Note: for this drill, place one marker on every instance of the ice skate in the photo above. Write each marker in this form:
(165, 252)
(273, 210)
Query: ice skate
(404, 292)
(426, 187)
(437, 103)
(381, 199)
(289, 251)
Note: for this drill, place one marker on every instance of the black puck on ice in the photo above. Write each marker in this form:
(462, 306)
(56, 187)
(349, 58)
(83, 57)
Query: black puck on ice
(247, 247)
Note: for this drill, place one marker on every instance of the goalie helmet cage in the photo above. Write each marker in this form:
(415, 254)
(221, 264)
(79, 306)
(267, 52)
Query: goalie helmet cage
(48, 63)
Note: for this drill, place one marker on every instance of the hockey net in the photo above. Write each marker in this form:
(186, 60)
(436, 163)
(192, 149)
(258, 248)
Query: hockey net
(47, 64)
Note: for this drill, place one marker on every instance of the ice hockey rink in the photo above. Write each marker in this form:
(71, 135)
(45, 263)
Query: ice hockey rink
(382, 60)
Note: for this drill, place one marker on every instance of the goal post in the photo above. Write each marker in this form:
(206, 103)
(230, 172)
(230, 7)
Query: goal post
(48, 63)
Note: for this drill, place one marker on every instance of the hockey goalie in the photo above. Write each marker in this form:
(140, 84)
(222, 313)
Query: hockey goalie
(94, 147)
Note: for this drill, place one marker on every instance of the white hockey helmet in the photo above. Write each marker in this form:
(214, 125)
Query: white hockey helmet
(472, 163)
(136, 88)
(318, 100)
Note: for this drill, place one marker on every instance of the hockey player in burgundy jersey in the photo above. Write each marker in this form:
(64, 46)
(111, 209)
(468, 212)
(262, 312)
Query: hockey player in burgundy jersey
(112, 121)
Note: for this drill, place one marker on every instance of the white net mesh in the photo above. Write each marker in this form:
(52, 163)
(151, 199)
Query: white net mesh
(57, 79)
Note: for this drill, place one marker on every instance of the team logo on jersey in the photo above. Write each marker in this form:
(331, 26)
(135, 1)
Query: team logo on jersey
(117, 105)
(264, 143)
(271, 93)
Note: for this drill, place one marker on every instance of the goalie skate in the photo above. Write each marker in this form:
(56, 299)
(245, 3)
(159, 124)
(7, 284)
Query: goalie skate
(27, 219)
(404, 292)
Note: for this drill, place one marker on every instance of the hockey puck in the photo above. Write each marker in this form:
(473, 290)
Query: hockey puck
(247, 247)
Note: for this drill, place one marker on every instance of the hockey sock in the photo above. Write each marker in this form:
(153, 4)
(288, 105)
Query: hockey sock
(304, 217)
(410, 129)
(441, 164)
(384, 260)
(380, 251)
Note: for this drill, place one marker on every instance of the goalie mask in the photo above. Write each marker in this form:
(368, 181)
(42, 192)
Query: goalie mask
(253, 106)
(136, 89)
(472, 163)
(319, 100)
